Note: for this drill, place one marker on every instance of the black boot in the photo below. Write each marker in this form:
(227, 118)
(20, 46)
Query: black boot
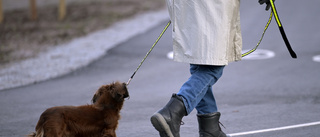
(209, 125)
(168, 120)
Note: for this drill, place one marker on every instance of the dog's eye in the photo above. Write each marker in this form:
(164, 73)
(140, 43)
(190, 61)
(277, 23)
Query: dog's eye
(119, 96)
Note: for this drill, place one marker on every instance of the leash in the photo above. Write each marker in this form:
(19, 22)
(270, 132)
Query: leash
(283, 34)
(273, 13)
(264, 31)
(154, 44)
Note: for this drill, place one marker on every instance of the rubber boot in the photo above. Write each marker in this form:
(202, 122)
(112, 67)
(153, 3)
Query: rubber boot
(168, 119)
(209, 125)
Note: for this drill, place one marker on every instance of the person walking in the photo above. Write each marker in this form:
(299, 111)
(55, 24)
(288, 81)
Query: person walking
(207, 35)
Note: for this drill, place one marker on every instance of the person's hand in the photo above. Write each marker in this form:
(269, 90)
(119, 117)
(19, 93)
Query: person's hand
(266, 2)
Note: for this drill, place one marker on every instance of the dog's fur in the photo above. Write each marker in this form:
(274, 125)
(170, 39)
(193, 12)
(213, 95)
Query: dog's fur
(97, 120)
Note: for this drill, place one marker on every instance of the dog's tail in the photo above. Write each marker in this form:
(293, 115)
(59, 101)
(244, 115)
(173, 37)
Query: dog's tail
(39, 133)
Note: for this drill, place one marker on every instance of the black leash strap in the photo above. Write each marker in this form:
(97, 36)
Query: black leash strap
(283, 34)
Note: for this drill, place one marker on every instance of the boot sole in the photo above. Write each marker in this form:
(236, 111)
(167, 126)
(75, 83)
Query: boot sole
(160, 124)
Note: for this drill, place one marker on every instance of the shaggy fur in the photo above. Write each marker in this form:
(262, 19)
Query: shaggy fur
(97, 120)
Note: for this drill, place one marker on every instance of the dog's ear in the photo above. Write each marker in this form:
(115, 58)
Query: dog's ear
(99, 92)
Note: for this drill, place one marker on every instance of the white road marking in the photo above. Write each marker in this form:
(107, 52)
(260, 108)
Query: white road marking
(316, 58)
(170, 55)
(274, 129)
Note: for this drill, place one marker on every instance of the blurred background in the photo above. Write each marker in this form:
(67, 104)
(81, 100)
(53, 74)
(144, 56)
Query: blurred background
(31, 26)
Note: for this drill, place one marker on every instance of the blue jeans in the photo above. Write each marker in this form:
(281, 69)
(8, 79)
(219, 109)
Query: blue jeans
(197, 91)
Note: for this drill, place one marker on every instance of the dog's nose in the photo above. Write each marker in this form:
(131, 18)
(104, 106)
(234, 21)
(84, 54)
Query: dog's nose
(126, 89)
(126, 95)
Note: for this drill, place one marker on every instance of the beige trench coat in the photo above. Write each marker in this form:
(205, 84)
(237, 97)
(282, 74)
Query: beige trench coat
(206, 31)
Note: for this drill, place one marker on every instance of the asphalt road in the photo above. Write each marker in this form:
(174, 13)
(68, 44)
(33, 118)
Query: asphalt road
(253, 94)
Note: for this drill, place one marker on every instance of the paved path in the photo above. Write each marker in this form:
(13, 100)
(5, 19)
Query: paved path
(254, 94)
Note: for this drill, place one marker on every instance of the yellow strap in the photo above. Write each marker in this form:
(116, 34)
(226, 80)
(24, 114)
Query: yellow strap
(275, 13)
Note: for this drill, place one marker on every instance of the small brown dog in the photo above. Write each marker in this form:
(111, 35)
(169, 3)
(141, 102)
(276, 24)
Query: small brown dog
(97, 120)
